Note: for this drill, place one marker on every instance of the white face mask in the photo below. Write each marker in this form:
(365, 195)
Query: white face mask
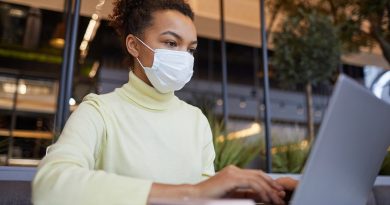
(170, 71)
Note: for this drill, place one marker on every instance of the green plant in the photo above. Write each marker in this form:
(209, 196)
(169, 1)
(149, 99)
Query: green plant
(30, 55)
(290, 158)
(237, 152)
(228, 151)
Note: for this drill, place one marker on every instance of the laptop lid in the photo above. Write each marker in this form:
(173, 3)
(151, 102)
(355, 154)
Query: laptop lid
(349, 149)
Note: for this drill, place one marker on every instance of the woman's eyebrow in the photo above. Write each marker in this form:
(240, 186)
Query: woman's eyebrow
(172, 34)
(176, 36)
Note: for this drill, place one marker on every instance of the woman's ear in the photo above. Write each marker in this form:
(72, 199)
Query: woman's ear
(132, 45)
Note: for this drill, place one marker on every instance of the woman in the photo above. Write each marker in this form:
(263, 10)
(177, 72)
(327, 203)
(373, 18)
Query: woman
(141, 142)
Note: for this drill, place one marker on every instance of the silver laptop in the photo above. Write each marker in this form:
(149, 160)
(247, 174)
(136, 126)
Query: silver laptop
(349, 149)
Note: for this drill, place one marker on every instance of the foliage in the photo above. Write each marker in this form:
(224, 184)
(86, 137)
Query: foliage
(289, 158)
(361, 23)
(306, 51)
(238, 152)
(385, 169)
(347, 22)
(358, 23)
(30, 55)
(307, 48)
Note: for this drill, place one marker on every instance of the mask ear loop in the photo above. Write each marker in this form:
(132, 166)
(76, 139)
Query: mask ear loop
(144, 44)
(140, 63)
(146, 47)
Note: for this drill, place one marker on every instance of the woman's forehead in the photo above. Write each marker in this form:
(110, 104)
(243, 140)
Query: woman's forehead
(171, 21)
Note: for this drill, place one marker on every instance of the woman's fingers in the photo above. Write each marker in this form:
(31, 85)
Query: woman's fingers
(232, 178)
(274, 184)
(260, 182)
(281, 194)
(271, 181)
(250, 193)
(264, 189)
(288, 183)
(272, 194)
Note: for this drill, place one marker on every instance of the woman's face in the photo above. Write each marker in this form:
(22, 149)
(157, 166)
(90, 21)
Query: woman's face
(170, 29)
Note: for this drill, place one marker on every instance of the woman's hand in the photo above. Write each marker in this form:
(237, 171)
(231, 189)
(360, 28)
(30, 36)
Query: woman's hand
(289, 184)
(231, 182)
(232, 179)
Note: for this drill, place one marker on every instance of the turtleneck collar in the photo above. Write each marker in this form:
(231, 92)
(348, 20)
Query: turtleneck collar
(146, 96)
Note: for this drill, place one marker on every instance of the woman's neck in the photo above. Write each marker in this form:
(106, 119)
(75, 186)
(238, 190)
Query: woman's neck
(140, 73)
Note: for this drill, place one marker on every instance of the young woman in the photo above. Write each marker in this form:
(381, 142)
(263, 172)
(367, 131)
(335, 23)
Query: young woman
(140, 141)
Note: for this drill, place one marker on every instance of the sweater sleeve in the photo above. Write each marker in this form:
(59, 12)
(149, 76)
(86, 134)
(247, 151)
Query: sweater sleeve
(66, 175)
(208, 154)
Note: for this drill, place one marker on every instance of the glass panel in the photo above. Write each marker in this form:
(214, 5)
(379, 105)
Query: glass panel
(37, 96)
(26, 131)
(29, 68)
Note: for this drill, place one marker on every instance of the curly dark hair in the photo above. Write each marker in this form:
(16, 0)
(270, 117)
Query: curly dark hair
(133, 16)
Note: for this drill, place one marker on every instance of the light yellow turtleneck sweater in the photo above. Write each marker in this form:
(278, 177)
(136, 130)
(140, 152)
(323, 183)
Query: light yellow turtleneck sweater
(114, 146)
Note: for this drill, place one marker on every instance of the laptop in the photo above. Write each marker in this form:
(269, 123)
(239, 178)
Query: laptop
(349, 149)
(347, 154)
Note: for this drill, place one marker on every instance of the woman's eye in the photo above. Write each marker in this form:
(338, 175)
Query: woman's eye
(171, 43)
(192, 51)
